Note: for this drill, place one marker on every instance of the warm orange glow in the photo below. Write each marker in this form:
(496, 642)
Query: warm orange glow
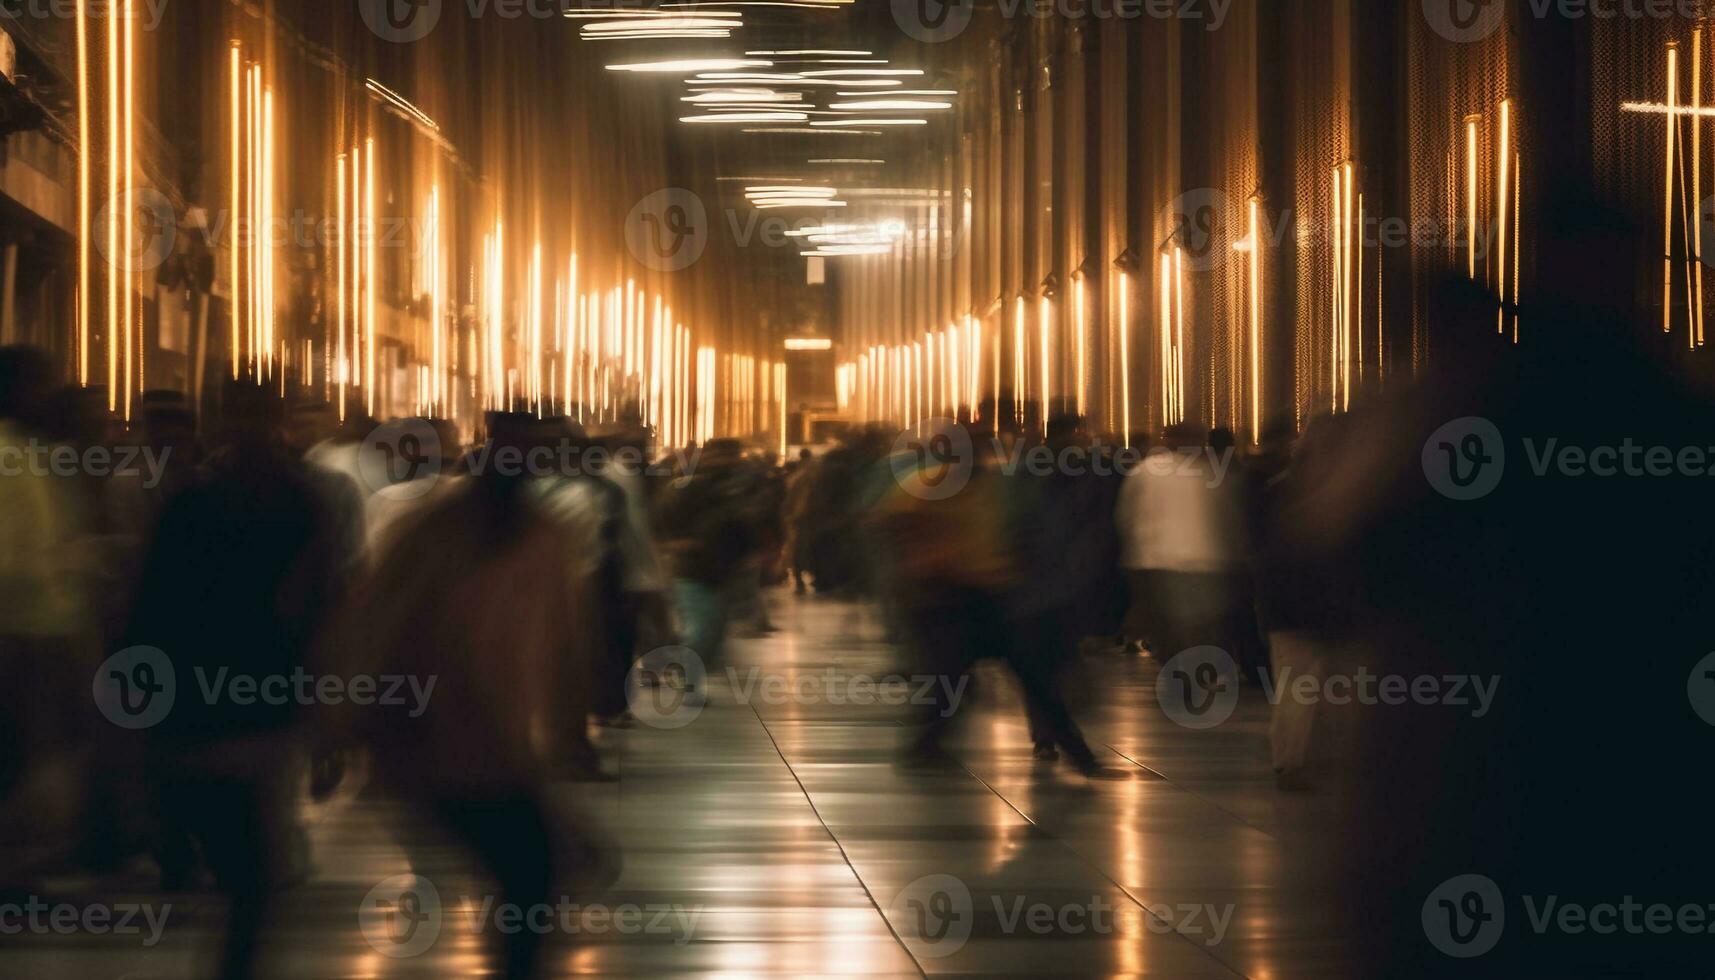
(1255, 235)
(1125, 357)
(85, 151)
(1672, 124)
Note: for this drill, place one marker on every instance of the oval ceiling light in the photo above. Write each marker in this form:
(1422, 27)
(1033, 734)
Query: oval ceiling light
(688, 66)
(906, 91)
(736, 96)
(870, 122)
(658, 24)
(809, 51)
(746, 116)
(609, 14)
(862, 72)
(744, 76)
(891, 104)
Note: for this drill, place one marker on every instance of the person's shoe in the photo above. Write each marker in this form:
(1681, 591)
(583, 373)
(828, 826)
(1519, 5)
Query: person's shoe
(1045, 752)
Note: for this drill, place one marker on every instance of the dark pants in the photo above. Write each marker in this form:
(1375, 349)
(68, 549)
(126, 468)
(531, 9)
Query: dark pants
(1043, 644)
(620, 622)
(243, 829)
(510, 837)
(947, 637)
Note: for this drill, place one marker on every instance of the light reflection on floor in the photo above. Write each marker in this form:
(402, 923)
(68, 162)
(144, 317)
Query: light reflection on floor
(800, 847)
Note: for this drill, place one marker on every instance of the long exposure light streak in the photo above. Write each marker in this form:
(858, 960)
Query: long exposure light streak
(1125, 357)
(1672, 124)
(1255, 234)
(370, 273)
(341, 235)
(114, 137)
(1503, 191)
(132, 318)
(1045, 339)
(1080, 341)
(85, 152)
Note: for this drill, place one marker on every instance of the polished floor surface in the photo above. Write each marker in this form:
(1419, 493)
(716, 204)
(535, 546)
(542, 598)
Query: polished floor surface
(774, 834)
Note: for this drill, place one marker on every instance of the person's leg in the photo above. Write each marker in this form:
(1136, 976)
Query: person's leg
(696, 606)
(1043, 644)
(244, 829)
(1293, 654)
(511, 838)
(940, 640)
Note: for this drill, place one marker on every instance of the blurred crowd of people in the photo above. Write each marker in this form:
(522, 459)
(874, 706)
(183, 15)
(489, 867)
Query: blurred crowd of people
(264, 543)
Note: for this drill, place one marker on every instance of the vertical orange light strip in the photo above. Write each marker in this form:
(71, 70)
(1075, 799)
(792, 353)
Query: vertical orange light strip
(369, 270)
(236, 164)
(1255, 233)
(267, 228)
(114, 137)
(84, 152)
(533, 387)
(780, 399)
(1695, 337)
(1672, 124)
(656, 336)
(359, 282)
(1471, 197)
(252, 153)
(573, 335)
(1125, 357)
(1081, 324)
(1503, 191)
(1045, 331)
(131, 327)
(1338, 327)
(341, 301)
(1018, 369)
(1179, 332)
(1165, 346)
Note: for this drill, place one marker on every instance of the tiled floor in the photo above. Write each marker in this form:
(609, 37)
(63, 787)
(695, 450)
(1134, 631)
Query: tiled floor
(778, 837)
